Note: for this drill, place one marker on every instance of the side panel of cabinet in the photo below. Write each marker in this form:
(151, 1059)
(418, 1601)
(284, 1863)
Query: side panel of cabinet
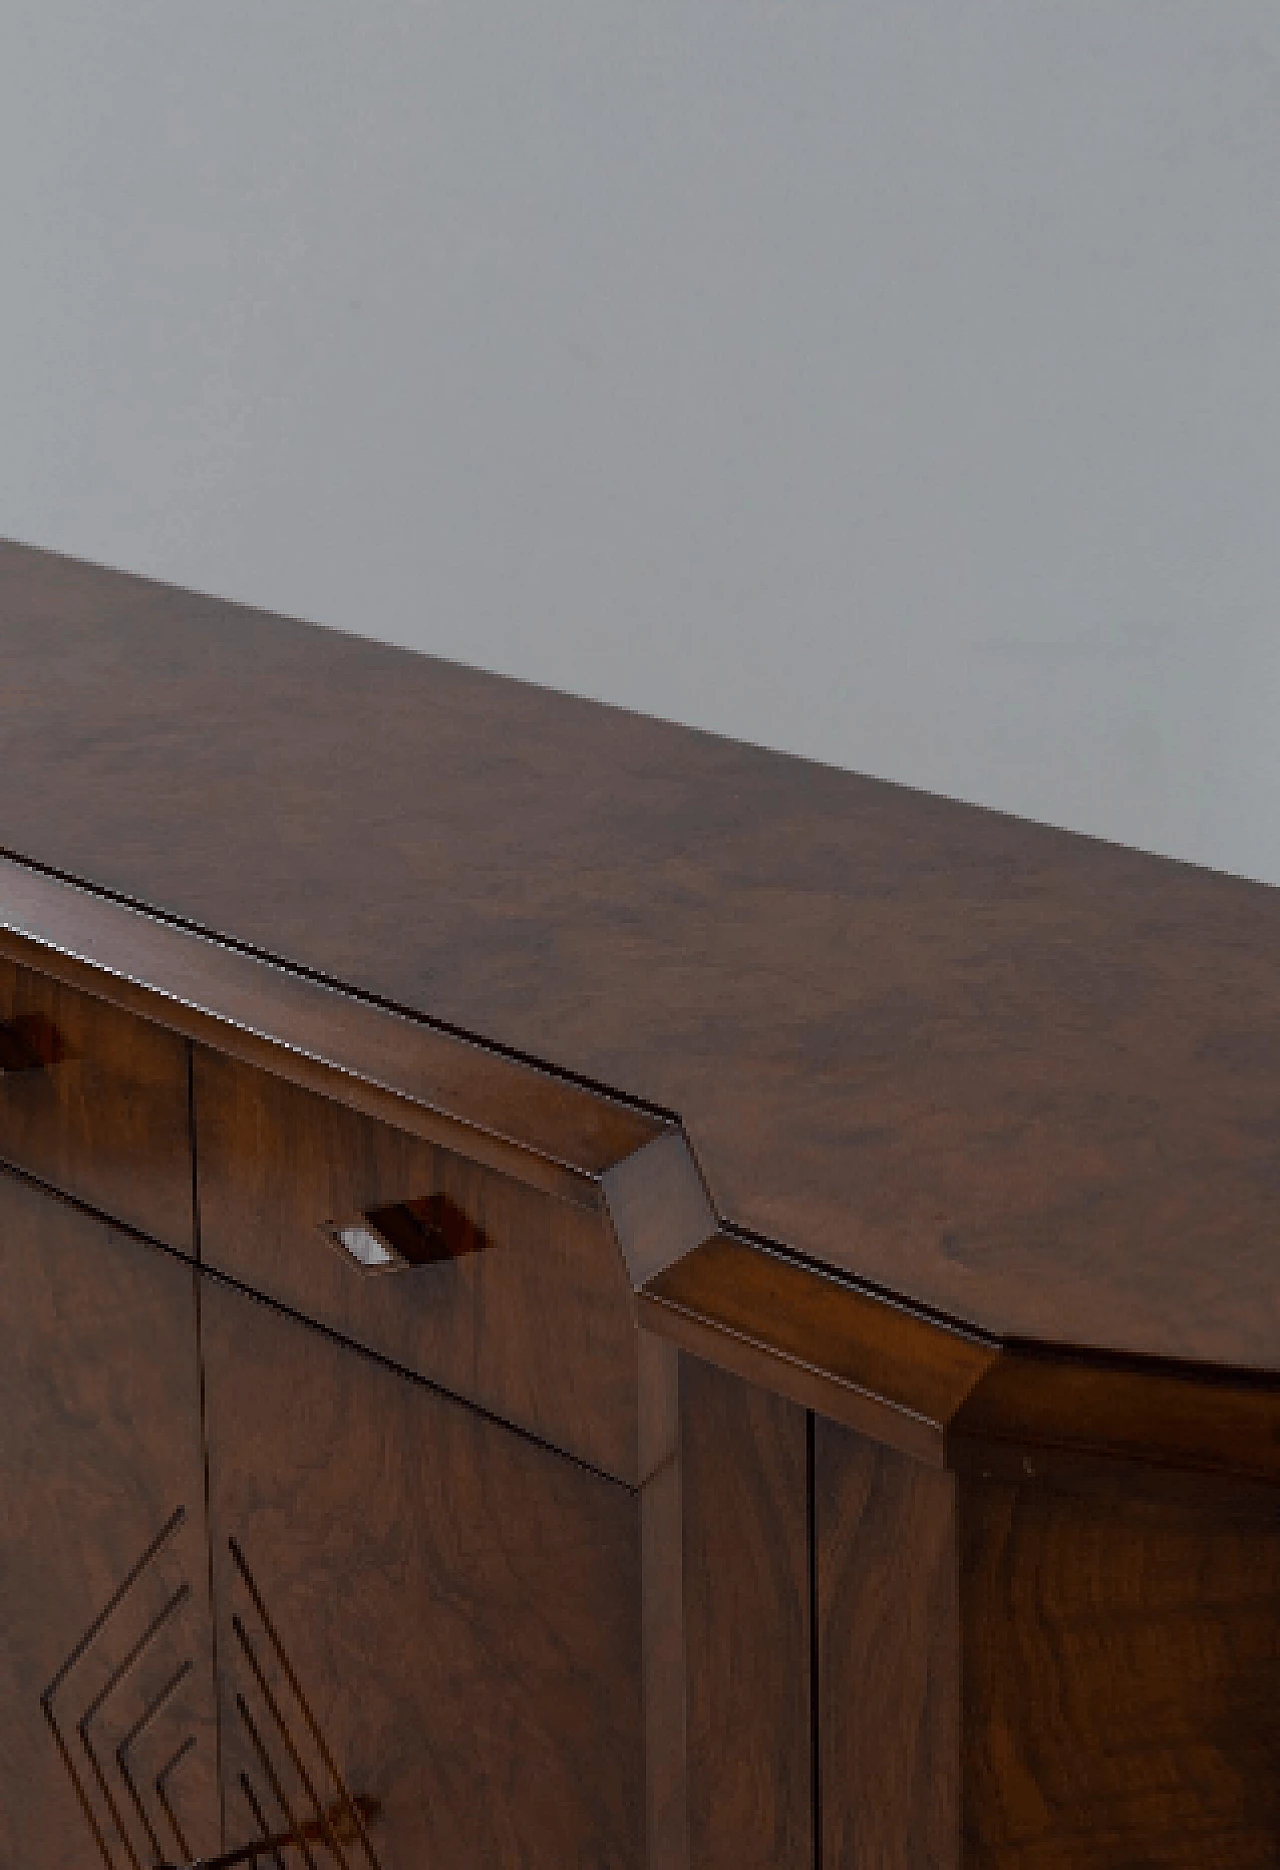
(107, 1731)
(419, 1607)
(1121, 1674)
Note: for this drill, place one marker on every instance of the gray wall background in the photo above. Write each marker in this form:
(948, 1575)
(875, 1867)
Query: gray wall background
(892, 381)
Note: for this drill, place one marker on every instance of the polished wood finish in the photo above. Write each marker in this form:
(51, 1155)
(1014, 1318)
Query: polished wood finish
(817, 1401)
(30, 1042)
(658, 1205)
(460, 1608)
(100, 1109)
(889, 1788)
(1121, 1678)
(99, 1450)
(277, 1166)
(1180, 1421)
(897, 1377)
(1043, 1666)
(949, 1397)
(915, 1381)
(747, 1627)
(510, 1115)
(1027, 1078)
(662, 1624)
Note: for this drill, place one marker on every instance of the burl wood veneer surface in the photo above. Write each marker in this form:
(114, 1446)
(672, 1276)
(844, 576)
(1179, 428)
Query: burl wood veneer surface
(1022, 1076)
(1120, 1677)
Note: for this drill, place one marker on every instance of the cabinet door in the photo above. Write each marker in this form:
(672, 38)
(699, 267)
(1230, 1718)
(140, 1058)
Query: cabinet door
(429, 1625)
(107, 1709)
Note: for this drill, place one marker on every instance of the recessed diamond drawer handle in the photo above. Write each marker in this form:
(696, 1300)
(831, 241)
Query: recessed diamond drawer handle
(404, 1234)
(29, 1042)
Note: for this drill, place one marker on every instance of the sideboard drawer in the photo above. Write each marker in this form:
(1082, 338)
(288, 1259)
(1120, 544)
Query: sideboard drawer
(509, 1297)
(96, 1103)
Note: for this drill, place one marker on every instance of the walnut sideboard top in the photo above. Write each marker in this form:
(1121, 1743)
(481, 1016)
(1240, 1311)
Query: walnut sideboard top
(970, 1125)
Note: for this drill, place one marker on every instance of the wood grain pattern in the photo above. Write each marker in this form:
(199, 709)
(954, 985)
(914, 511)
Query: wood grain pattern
(509, 1114)
(107, 1120)
(983, 1172)
(747, 1628)
(892, 1375)
(663, 1631)
(461, 1608)
(911, 1380)
(1029, 1079)
(947, 1397)
(888, 1657)
(1121, 1678)
(1185, 1420)
(99, 1447)
(662, 1613)
(658, 1205)
(537, 1328)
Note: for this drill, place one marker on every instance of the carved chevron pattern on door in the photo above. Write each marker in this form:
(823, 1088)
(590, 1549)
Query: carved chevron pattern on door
(114, 1710)
(117, 1720)
(306, 1792)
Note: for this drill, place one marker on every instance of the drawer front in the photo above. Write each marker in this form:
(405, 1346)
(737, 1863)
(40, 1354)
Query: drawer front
(518, 1302)
(96, 1102)
(422, 1615)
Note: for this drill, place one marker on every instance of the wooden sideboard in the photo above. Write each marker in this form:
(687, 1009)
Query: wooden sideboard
(577, 1293)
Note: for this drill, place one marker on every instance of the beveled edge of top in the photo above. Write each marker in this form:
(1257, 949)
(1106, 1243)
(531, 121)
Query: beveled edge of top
(580, 1143)
(932, 1387)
